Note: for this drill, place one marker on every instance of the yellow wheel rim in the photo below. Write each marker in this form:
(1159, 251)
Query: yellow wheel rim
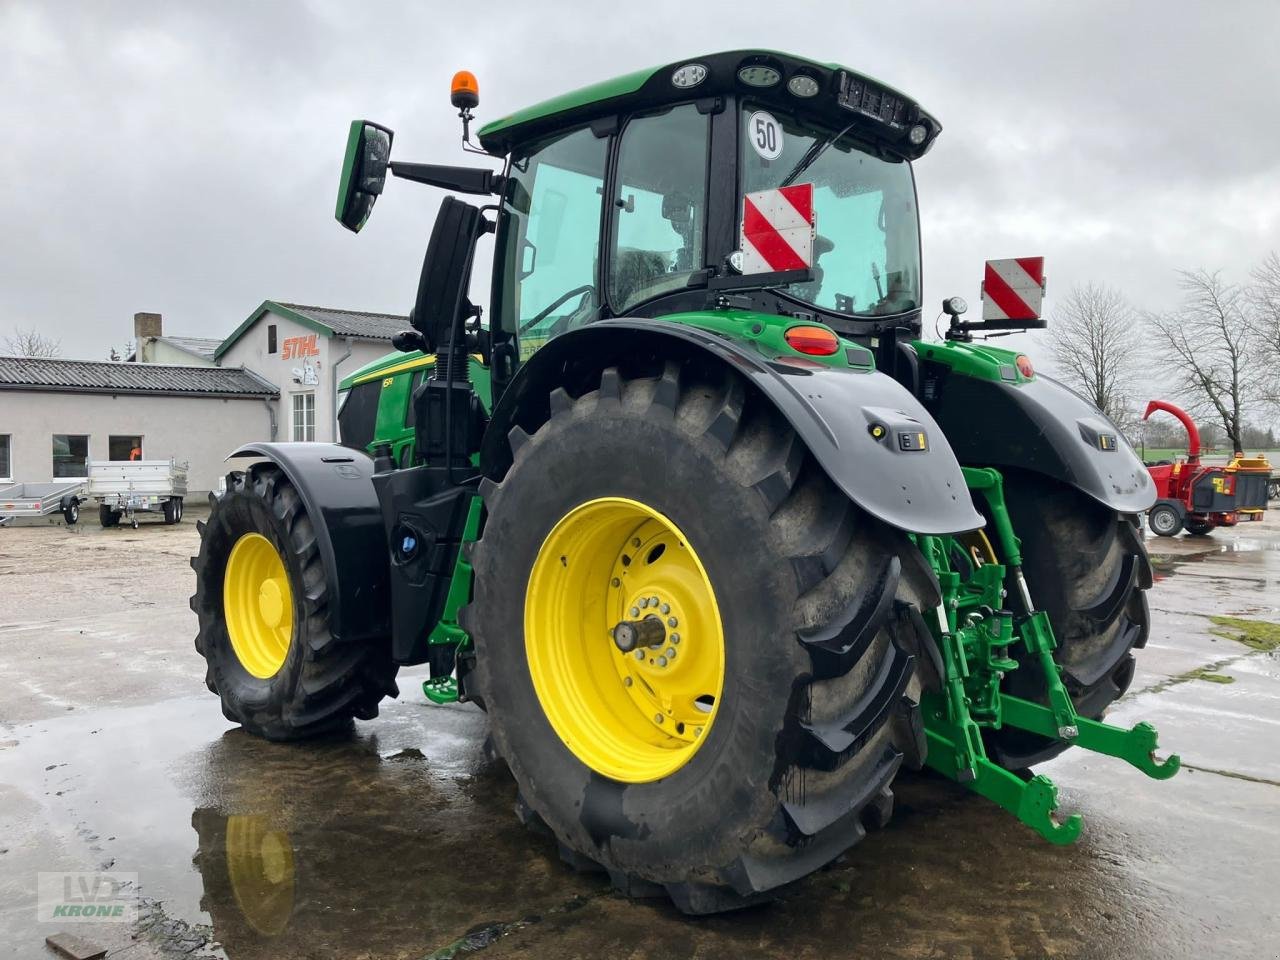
(257, 605)
(260, 870)
(636, 715)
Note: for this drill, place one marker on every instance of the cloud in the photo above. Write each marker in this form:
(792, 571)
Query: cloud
(183, 158)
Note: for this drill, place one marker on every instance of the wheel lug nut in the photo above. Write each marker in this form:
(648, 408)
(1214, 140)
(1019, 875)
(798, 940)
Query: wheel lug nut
(644, 602)
(626, 681)
(671, 653)
(639, 654)
(672, 622)
(665, 608)
(662, 661)
(635, 611)
(657, 718)
(635, 541)
(675, 638)
(653, 601)
(614, 582)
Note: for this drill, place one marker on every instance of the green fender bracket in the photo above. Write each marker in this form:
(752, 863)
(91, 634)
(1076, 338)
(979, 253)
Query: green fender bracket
(440, 690)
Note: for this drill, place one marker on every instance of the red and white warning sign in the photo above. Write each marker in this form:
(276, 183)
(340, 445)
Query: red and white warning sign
(777, 229)
(1013, 289)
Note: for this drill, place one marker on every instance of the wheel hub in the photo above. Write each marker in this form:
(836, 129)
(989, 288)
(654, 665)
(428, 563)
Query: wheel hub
(257, 604)
(624, 639)
(271, 602)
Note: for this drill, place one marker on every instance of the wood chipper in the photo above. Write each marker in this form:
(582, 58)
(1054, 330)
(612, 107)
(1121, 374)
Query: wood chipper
(1198, 497)
(717, 541)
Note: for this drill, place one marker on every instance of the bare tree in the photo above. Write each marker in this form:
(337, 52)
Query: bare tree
(1209, 348)
(28, 342)
(1097, 342)
(1264, 304)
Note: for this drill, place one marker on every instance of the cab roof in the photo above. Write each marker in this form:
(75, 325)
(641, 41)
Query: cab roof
(843, 96)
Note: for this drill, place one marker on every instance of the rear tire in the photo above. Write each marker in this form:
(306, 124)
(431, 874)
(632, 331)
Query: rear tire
(108, 517)
(320, 682)
(1086, 567)
(819, 703)
(170, 508)
(1199, 528)
(71, 513)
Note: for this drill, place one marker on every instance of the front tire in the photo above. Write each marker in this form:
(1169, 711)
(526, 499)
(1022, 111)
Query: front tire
(262, 604)
(802, 630)
(107, 516)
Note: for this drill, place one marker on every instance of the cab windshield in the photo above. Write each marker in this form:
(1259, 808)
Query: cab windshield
(867, 244)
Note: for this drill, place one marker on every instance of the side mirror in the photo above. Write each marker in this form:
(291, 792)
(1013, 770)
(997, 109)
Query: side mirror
(364, 171)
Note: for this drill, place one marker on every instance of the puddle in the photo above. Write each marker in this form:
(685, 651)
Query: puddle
(387, 842)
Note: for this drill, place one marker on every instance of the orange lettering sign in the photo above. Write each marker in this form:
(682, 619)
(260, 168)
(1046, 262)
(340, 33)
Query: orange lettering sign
(295, 348)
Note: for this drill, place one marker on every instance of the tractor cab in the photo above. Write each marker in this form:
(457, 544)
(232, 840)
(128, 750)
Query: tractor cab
(626, 199)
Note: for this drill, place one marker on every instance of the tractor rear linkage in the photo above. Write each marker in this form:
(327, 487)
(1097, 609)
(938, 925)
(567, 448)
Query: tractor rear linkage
(973, 633)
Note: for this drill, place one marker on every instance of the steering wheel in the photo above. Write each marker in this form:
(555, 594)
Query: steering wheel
(558, 301)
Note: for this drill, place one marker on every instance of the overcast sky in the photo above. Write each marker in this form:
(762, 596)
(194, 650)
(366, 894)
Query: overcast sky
(183, 157)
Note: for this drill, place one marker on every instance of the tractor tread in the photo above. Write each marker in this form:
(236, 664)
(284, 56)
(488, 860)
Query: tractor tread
(809, 817)
(826, 746)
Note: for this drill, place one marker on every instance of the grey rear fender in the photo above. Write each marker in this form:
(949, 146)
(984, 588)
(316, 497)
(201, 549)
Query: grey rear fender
(1041, 426)
(863, 428)
(336, 486)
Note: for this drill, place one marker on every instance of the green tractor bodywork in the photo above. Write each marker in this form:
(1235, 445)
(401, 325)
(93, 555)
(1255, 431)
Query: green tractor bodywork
(617, 239)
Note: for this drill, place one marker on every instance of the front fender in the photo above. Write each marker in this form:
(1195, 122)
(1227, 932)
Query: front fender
(336, 486)
(834, 410)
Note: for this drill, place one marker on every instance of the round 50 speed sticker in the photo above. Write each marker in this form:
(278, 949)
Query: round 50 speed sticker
(765, 134)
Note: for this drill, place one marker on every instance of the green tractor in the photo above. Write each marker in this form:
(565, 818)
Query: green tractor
(717, 541)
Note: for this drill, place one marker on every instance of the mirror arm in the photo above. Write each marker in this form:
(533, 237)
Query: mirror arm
(472, 180)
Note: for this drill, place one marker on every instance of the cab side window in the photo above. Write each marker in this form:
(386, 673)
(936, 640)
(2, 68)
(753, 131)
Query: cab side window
(661, 205)
(551, 248)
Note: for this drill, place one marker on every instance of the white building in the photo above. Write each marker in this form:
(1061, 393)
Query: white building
(187, 398)
(305, 352)
(56, 415)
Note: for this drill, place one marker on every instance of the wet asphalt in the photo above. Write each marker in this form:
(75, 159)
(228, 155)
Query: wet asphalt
(398, 839)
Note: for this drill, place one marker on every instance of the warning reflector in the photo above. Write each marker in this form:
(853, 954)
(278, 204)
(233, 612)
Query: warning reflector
(777, 229)
(1013, 289)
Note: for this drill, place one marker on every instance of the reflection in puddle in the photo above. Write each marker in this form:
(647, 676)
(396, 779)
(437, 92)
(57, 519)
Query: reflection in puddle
(243, 854)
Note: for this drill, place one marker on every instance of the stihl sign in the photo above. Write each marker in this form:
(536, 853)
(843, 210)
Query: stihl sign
(777, 229)
(295, 348)
(1013, 289)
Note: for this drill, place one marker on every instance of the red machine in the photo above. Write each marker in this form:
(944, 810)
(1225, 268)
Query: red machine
(1199, 497)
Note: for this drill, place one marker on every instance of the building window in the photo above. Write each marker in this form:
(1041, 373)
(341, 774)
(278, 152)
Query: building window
(304, 416)
(271, 338)
(6, 461)
(70, 455)
(124, 448)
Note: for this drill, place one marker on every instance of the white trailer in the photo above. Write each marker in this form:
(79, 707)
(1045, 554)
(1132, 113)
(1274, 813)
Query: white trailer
(24, 500)
(125, 488)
